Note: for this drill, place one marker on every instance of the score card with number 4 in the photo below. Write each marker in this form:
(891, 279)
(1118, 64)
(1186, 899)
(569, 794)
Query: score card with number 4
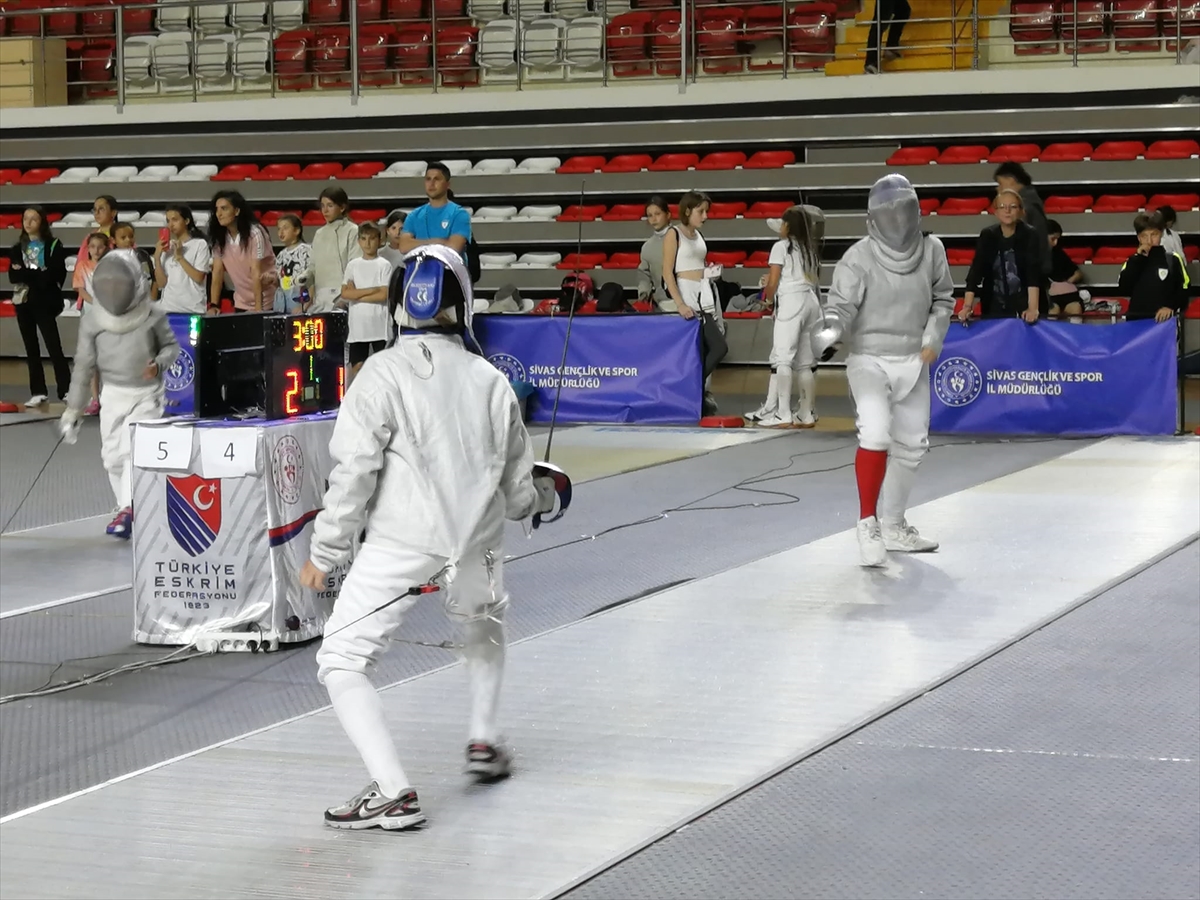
(228, 452)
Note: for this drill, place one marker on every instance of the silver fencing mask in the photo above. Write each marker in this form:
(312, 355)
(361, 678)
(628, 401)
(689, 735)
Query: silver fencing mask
(894, 224)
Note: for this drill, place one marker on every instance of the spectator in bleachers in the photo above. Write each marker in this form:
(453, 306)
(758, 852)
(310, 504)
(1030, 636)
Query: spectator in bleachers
(894, 14)
(293, 265)
(394, 229)
(241, 251)
(1171, 240)
(1155, 280)
(183, 261)
(1065, 295)
(1006, 273)
(440, 220)
(124, 237)
(37, 269)
(650, 283)
(1011, 176)
(689, 283)
(333, 246)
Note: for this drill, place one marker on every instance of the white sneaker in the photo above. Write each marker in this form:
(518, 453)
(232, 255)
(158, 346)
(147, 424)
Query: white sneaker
(758, 415)
(774, 420)
(870, 543)
(35, 401)
(801, 422)
(903, 538)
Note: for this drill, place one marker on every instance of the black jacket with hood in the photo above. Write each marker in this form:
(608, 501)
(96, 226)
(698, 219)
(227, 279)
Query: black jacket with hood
(45, 284)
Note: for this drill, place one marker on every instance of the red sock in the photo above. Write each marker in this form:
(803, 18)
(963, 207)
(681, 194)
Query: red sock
(869, 468)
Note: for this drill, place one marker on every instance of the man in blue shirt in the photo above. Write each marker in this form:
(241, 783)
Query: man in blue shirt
(441, 220)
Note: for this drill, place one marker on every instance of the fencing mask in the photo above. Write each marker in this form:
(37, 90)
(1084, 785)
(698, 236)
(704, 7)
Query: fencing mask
(121, 291)
(431, 291)
(894, 224)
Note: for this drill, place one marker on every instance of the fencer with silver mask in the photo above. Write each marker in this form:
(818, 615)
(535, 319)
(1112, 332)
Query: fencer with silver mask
(431, 456)
(127, 340)
(890, 301)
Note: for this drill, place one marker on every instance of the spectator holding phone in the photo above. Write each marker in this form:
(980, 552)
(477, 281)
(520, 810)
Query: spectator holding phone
(182, 261)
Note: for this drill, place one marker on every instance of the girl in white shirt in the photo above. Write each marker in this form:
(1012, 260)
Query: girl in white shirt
(792, 288)
(365, 293)
(181, 264)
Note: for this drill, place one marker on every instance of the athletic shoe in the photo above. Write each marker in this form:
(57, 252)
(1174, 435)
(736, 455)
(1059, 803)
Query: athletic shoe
(903, 538)
(798, 422)
(758, 415)
(774, 420)
(35, 401)
(122, 524)
(371, 809)
(92, 409)
(488, 762)
(870, 543)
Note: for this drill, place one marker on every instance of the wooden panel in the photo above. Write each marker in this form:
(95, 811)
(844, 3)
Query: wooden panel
(33, 72)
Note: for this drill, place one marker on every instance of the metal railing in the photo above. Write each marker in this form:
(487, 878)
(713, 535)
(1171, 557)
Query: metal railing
(131, 50)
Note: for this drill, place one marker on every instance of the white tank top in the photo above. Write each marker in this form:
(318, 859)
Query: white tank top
(691, 254)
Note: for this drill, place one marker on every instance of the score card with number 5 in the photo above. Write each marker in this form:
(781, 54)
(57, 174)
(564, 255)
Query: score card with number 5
(228, 452)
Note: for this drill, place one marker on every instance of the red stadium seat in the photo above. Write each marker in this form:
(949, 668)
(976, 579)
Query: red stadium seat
(1173, 150)
(1119, 203)
(23, 25)
(959, 256)
(413, 55)
(930, 205)
(725, 210)
(236, 172)
(913, 156)
(1193, 311)
(1178, 202)
(770, 159)
(370, 10)
(582, 261)
(1191, 253)
(1079, 255)
(581, 165)
(727, 258)
(313, 217)
(137, 21)
(1033, 27)
(624, 212)
(63, 24)
(963, 154)
(812, 34)
(38, 176)
(456, 55)
(586, 213)
(1184, 17)
(971, 206)
(1058, 205)
(375, 43)
(320, 171)
(359, 216)
(1076, 152)
(450, 9)
(98, 68)
(721, 161)
(1018, 153)
(768, 209)
(10, 176)
(759, 259)
(628, 162)
(331, 57)
(1135, 25)
(292, 51)
(764, 22)
(665, 38)
(717, 41)
(325, 12)
(403, 10)
(272, 216)
(623, 261)
(675, 162)
(360, 170)
(276, 172)
(627, 39)
(1112, 256)
(1119, 150)
(1090, 16)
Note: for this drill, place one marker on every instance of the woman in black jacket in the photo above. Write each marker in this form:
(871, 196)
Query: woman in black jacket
(38, 269)
(1006, 273)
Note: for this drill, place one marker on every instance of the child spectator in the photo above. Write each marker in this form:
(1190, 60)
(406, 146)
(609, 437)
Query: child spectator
(97, 245)
(365, 294)
(1065, 295)
(395, 227)
(104, 211)
(294, 263)
(183, 263)
(1156, 281)
(333, 246)
(124, 238)
(650, 283)
(1171, 241)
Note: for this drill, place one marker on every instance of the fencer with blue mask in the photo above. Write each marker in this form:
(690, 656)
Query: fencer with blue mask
(431, 456)
(890, 302)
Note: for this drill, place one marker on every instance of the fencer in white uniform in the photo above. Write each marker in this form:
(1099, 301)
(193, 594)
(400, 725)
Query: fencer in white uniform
(431, 456)
(891, 301)
(128, 341)
(795, 263)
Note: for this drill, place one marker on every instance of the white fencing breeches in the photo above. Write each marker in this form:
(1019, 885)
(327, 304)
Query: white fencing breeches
(356, 635)
(891, 400)
(120, 407)
(796, 315)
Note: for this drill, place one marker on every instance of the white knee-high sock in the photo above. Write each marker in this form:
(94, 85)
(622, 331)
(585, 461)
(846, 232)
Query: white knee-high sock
(783, 390)
(117, 483)
(360, 711)
(897, 486)
(772, 394)
(808, 392)
(484, 652)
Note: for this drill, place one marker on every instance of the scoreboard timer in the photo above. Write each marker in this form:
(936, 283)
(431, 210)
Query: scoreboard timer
(305, 363)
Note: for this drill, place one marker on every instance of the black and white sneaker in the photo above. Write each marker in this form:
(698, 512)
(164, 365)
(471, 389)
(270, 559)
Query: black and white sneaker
(488, 762)
(371, 809)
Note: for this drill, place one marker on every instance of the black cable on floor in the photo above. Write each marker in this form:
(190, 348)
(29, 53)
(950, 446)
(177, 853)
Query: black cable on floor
(32, 485)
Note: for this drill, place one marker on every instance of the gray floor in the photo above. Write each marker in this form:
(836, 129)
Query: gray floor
(1067, 766)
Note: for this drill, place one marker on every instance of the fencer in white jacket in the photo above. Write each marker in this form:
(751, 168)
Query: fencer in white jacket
(128, 341)
(431, 456)
(891, 302)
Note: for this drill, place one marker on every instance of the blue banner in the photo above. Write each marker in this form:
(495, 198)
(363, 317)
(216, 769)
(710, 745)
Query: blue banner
(180, 380)
(1006, 377)
(632, 369)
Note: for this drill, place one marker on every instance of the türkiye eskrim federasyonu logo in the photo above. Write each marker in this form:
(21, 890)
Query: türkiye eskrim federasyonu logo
(509, 366)
(181, 373)
(957, 381)
(194, 511)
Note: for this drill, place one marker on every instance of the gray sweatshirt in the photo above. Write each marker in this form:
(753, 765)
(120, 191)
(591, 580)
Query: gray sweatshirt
(650, 273)
(881, 312)
(120, 348)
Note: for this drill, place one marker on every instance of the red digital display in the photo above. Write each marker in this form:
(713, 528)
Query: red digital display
(291, 392)
(308, 335)
(305, 363)
(341, 383)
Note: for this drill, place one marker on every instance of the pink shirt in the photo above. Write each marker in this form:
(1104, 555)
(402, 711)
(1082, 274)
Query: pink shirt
(238, 259)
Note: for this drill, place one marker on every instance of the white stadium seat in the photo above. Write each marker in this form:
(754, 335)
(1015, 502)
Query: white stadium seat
(494, 214)
(405, 168)
(496, 260)
(75, 175)
(539, 260)
(251, 59)
(117, 173)
(155, 173)
(538, 165)
(493, 167)
(538, 213)
(198, 172)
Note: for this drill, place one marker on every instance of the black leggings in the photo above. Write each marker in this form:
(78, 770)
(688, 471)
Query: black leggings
(33, 317)
(894, 15)
(713, 347)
